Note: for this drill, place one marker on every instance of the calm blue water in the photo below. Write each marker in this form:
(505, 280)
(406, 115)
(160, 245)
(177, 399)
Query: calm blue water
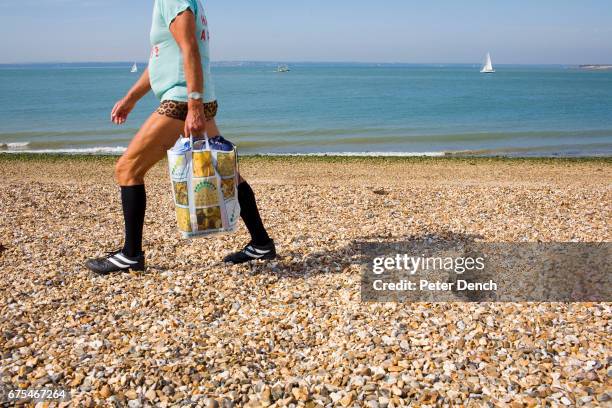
(319, 108)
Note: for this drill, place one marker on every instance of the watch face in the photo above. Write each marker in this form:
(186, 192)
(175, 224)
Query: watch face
(195, 95)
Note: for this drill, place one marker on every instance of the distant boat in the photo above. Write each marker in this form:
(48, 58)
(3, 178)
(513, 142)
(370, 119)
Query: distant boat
(134, 68)
(596, 67)
(282, 68)
(487, 68)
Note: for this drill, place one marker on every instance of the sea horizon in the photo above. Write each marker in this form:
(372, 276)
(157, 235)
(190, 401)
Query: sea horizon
(307, 62)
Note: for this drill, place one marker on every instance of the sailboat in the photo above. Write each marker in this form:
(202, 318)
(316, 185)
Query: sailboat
(134, 68)
(282, 68)
(487, 68)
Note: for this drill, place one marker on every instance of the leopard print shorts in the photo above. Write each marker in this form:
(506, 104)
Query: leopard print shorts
(178, 110)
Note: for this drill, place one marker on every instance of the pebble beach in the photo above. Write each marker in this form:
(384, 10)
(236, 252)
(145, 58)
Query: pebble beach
(191, 331)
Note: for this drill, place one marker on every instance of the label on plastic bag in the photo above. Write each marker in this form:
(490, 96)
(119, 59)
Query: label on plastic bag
(179, 166)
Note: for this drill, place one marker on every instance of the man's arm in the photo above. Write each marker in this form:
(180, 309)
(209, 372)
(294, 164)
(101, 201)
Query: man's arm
(140, 88)
(183, 28)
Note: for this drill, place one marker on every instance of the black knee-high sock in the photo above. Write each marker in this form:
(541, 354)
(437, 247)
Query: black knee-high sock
(250, 214)
(134, 202)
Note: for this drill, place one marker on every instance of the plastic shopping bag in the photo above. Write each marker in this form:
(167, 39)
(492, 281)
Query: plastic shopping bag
(204, 177)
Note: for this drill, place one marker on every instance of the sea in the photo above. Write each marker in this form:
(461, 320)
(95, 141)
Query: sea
(328, 108)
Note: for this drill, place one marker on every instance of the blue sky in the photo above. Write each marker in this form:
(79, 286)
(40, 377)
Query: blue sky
(517, 31)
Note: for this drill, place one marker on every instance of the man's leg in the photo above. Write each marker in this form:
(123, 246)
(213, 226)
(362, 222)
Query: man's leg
(248, 205)
(261, 246)
(250, 215)
(155, 137)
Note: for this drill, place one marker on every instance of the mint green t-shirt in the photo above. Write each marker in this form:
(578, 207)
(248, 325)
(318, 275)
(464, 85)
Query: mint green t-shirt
(166, 65)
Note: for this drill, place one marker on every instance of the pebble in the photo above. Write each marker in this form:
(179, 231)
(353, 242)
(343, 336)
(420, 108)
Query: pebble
(348, 399)
(105, 392)
(335, 396)
(605, 397)
(134, 403)
(131, 394)
(151, 395)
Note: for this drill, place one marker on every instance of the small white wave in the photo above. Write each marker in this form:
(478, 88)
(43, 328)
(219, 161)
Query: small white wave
(14, 145)
(359, 154)
(88, 150)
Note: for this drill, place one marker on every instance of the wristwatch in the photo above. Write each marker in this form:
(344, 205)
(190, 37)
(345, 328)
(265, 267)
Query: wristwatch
(196, 96)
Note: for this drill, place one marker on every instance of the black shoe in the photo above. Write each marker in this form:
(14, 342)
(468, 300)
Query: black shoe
(252, 252)
(116, 262)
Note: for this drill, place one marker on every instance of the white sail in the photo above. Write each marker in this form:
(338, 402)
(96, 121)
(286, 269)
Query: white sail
(488, 65)
(134, 68)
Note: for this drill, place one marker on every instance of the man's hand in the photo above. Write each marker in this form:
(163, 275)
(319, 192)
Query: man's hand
(121, 110)
(195, 124)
